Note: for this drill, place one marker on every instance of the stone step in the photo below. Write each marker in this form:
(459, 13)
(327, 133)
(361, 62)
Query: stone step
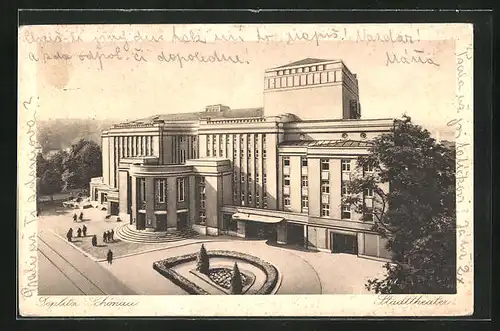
(126, 233)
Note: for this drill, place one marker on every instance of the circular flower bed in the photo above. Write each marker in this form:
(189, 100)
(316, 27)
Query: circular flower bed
(222, 277)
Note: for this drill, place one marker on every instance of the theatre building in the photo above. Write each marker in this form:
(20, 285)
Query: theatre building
(275, 172)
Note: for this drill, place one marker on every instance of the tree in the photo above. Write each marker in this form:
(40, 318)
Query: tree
(417, 215)
(50, 182)
(83, 162)
(202, 261)
(236, 281)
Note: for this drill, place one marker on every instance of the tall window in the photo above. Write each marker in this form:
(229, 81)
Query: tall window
(160, 190)
(344, 189)
(346, 165)
(304, 181)
(346, 212)
(325, 164)
(325, 187)
(368, 192)
(181, 193)
(286, 161)
(325, 209)
(305, 203)
(142, 189)
(257, 177)
(264, 179)
(242, 178)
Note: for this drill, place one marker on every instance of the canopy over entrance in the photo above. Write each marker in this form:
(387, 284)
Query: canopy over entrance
(256, 218)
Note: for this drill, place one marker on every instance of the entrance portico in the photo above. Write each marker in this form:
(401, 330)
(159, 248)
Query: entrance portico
(262, 227)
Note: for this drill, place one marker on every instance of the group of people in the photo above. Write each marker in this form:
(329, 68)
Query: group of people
(108, 236)
(78, 218)
(79, 233)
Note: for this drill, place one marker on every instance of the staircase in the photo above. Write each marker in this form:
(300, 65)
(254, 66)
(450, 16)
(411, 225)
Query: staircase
(128, 233)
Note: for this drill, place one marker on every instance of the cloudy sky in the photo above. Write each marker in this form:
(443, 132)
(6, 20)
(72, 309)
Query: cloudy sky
(127, 89)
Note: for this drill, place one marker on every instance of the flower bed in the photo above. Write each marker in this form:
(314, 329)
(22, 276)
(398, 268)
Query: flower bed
(164, 267)
(222, 277)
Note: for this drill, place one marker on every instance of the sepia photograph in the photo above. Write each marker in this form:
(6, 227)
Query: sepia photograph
(304, 166)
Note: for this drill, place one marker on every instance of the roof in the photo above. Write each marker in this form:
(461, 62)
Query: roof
(306, 61)
(195, 116)
(326, 143)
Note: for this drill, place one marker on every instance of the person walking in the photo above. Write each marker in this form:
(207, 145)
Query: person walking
(104, 237)
(110, 257)
(79, 232)
(94, 240)
(74, 217)
(81, 216)
(84, 230)
(69, 235)
(112, 234)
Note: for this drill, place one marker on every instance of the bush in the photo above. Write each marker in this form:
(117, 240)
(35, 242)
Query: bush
(203, 263)
(236, 281)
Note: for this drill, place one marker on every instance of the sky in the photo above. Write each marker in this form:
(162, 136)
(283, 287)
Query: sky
(128, 89)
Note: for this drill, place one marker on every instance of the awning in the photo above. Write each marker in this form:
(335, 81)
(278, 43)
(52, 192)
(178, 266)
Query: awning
(256, 218)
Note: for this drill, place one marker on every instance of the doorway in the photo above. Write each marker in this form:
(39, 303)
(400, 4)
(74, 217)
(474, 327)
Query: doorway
(141, 221)
(113, 208)
(341, 243)
(295, 234)
(182, 221)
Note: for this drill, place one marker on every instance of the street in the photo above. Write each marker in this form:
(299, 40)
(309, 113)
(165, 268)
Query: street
(63, 270)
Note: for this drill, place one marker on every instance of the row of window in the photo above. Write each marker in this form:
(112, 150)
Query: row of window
(161, 190)
(302, 69)
(301, 80)
(203, 199)
(134, 146)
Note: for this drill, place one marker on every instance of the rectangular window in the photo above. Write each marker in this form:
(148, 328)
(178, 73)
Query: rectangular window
(346, 212)
(214, 153)
(369, 192)
(264, 154)
(235, 153)
(160, 190)
(242, 178)
(286, 161)
(286, 201)
(264, 201)
(249, 154)
(368, 215)
(142, 189)
(235, 176)
(303, 161)
(249, 178)
(241, 154)
(256, 177)
(368, 167)
(325, 187)
(264, 179)
(242, 199)
(304, 181)
(181, 189)
(249, 199)
(346, 165)
(305, 202)
(325, 209)
(344, 189)
(286, 180)
(325, 164)
(256, 153)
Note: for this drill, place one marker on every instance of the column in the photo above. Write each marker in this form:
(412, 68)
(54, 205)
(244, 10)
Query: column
(213, 204)
(335, 188)
(260, 185)
(244, 168)
(134, 200)
(271, 161)
(123, 195)
(192, 192)
(314, 191)
(150, 203)
(281, 232)
(171, 203)
(237, 169)
(295, 184)
(202, 145)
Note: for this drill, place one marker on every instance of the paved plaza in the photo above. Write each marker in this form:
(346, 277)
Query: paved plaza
(300, 271)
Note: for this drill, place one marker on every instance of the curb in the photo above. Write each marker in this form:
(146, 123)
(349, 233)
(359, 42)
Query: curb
(77, 248)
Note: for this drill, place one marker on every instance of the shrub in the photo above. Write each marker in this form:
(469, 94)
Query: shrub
(202, 262)
(236, 281)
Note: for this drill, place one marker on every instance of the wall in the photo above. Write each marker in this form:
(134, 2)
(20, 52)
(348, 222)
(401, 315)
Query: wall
(312, 102)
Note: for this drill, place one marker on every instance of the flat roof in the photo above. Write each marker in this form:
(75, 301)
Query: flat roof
(326, 143)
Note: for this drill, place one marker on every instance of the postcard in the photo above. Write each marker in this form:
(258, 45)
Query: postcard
(286, 169)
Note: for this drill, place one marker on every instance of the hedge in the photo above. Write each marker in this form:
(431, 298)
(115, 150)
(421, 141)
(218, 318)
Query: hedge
(164, 268)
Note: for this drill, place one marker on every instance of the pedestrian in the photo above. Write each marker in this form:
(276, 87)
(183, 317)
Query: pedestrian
(81, 216)
(94, 240)
(69, 234)
(84, 230)
(110, 257)
(79, 232)
(74, 217)
(104, 237)
(108, 235)
(112, 233)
